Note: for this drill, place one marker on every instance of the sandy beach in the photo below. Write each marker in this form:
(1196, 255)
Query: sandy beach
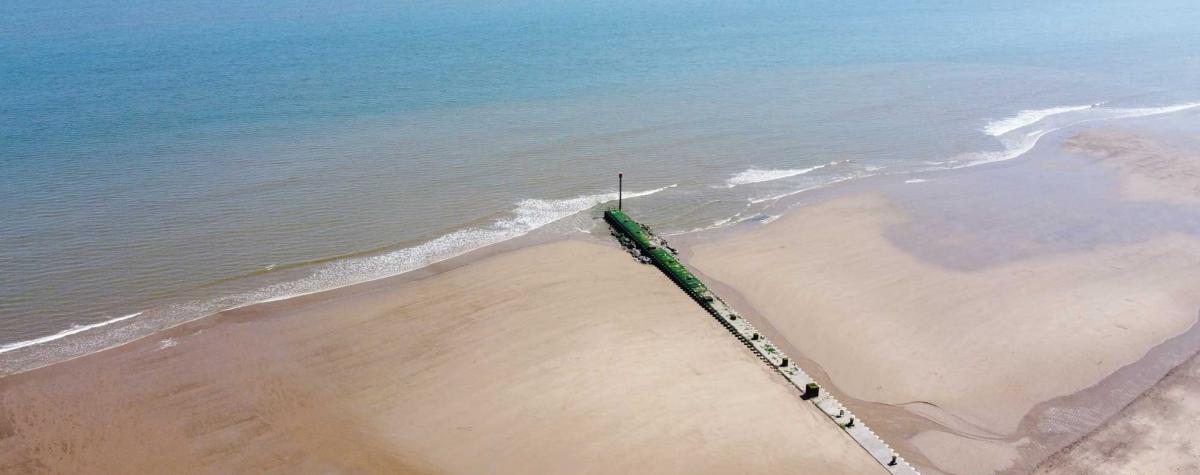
(1033, 315)
(566, 357)
(965, 311)
(296, 237)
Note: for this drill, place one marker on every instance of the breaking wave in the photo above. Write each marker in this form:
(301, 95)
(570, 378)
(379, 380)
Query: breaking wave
(1015, 146)
(1148, 111)
(1026, 118)
(63, 334)
(754, 175)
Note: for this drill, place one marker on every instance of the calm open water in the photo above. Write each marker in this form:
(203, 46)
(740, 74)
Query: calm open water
(162, 160)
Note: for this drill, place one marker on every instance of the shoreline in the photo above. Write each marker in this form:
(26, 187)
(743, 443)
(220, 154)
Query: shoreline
(28, 356)
(153, 318)
(913, 428)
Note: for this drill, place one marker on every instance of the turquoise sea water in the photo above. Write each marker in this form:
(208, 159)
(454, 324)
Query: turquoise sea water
(170, 159)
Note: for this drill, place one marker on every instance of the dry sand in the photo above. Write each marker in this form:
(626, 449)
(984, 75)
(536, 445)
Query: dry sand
(1039, 291)
(559, 358)
(1157, 434)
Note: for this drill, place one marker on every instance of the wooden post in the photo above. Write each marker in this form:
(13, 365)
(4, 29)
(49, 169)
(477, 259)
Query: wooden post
(620, 188)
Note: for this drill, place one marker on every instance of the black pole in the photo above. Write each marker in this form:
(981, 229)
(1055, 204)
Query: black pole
(620, 186)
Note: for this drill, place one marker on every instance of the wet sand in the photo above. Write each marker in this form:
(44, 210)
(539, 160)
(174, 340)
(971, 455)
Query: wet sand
(965, 311)
(566, 357)
(1150, 169)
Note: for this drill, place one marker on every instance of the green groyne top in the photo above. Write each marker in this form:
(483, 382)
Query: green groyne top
(661, 257)
(630, 228)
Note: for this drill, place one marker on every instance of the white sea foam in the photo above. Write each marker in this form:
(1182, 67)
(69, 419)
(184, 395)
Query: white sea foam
(1149, 111)
(721, 222)
(777, 197)
(1017, 146)
(1013, 149)
(759, 218)
(764, 199)
(754, 175)
(916, 180)
(1026, 118)
(62, 334)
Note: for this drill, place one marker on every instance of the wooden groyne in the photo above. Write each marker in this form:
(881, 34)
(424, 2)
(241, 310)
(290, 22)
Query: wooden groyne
(650, 249)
